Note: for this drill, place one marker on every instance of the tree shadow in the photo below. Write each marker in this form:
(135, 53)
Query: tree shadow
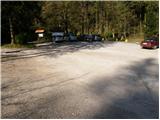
(55, 50)
(139, 83)
(132, 93)
(136, 106)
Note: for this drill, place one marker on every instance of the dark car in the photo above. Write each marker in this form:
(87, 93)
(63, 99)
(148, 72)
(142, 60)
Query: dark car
(93, 38)
(81, 37)
(71, 37)
(152, 42)
(89, 38)
(97, 38)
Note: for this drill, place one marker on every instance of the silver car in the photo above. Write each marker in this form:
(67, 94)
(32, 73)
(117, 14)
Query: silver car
(58, 36)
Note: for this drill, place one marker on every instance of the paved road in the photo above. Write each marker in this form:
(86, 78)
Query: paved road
(81, 80)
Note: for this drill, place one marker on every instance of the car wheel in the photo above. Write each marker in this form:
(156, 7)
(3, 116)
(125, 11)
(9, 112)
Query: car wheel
(154, 47)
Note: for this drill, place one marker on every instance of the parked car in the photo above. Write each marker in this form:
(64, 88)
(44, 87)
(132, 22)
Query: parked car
(58, 36)
(97, 38)
(81, 37)
(71, 37)
(93, 37)
(152, 42)
(90, 37)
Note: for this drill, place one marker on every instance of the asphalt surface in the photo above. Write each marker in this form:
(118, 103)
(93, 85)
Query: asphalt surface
(80, 80)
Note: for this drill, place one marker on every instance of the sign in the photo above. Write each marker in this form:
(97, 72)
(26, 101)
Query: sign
(39, 31)
(40, 35)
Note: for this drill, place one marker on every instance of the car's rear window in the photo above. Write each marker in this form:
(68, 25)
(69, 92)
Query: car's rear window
(152, 38)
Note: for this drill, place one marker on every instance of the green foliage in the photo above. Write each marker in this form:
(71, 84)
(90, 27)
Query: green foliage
(152, 19)
(109, 35)
(18, 46)
(23, 15)
(83, 17)
(96, 17)
(21, 38)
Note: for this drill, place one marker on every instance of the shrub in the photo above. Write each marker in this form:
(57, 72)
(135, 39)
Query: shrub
(109, 35)
(21, 38)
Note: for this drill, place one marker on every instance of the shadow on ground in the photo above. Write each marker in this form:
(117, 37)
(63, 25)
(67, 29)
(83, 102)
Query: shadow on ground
(139, 83)
(136, 106)
(55, 50)
(132, 93)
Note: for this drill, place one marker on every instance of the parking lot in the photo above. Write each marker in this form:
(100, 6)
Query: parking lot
(80, 80)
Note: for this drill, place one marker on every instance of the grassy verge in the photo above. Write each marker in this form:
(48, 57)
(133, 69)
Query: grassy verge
(17, 46)
(42, 40)
(135, 39)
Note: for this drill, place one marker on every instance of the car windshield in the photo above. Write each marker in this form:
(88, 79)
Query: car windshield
(152, 39)
(60, 34)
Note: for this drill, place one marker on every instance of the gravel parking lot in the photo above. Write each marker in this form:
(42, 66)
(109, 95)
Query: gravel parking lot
(80, 80)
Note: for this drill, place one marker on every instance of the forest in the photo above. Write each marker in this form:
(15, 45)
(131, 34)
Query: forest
(110, 19)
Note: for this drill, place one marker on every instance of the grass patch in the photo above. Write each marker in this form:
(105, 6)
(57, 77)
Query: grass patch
(136, 39)
(18, 46)
(42, 40)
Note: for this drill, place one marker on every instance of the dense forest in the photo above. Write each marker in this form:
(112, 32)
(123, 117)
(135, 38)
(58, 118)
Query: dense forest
(107, 18)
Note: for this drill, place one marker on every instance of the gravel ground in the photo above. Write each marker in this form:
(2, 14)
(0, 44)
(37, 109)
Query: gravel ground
(80, 80)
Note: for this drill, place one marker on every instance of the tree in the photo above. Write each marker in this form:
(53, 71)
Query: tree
(19, 17)
(152, 18)
(83, 17)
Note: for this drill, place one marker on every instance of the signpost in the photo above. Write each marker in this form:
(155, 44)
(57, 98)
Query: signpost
(40, 33)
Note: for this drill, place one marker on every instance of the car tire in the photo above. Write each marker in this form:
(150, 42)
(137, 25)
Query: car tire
(154, 47)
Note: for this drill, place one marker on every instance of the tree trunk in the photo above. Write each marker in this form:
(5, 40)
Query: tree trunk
(11, 31)
(82, 16)
(87, 18)
(145, 21)
(140, 24)
(97, 17)
(82, 25)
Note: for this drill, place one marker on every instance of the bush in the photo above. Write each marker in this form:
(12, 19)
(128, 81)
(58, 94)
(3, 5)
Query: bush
(48, 36)
(150, 34)
(111, 39)
(109, 35)
(31, 37)
(21, 38)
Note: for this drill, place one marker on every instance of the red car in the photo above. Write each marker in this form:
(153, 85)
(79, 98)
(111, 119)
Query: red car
(150, 43)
